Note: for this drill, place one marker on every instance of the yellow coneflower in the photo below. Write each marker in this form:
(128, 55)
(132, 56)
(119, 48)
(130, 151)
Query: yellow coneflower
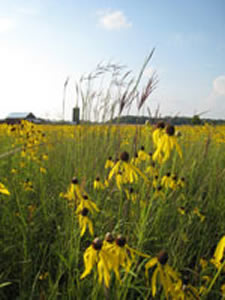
(107, 245)
(119, 180)
(73, 192)
(44, 156)
(43, 170)
(219, 253)
(151, 170)
(155, 181)
(185, 292)
(14, 171)
(96, 255)
(106, 183)
(203, 263)
(129, 172)
(158, 132)
(222, 288)
(173, 182)
(181, 210)
(43, 276)
(181, 182)
(142, 155)
(28, 185)
(98, 185)
(89, 204)
(169, 279)
(197, 213)
(3, 189)
(135, 160)
(159, 193)
(131, 195)
(109, 163)
(166, 143)
(85, 222)
(166, 180)
(123, 254)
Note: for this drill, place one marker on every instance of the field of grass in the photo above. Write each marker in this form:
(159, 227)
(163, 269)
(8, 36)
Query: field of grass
(169, 210)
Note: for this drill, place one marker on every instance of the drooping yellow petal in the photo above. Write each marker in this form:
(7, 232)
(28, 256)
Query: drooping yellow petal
(151, 263)
(3, 189)
(90, 226)
(154, 278)
(90, 258)
(103, 269)
(163, 280)
(219, 252)
(114, 170)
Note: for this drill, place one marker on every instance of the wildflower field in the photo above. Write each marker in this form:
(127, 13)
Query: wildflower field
(112, 212)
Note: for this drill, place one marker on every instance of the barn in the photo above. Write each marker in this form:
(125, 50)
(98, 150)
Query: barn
(16, 118)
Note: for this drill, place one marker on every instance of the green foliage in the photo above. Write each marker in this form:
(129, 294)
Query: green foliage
(42, 252)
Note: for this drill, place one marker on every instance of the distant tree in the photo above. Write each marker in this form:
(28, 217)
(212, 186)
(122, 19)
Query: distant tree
(196, 120)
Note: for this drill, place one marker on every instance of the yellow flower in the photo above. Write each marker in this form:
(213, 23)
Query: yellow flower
(219, 253)
(166, 180)
(43, 170)
(98, 185)
(165, 145)
(44, 156)
(123, 255)
(96, 255)
(109, 164)
(43, 276)
(13, 171)
(197, 213)
(128, 171)
(181, 210)
(73, 192)
(159, 193)
(203, 262)
(89, 204)
(142, 155)
(85, 222)
(131, 195)
(173, 182)
(135, 160)
(3, 189)
(151, 170)
(119, 180)
(158, 132)
(169, 279)
(28, 185)
(181, 182)
(223, 290)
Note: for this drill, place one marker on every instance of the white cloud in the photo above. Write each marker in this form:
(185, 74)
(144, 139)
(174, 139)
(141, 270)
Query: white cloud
(114, 20)
(6, 24)
(219, 85)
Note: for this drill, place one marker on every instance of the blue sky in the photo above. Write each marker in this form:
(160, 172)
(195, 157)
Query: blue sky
(44, 41)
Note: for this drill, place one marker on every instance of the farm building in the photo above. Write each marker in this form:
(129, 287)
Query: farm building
(15, 118)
